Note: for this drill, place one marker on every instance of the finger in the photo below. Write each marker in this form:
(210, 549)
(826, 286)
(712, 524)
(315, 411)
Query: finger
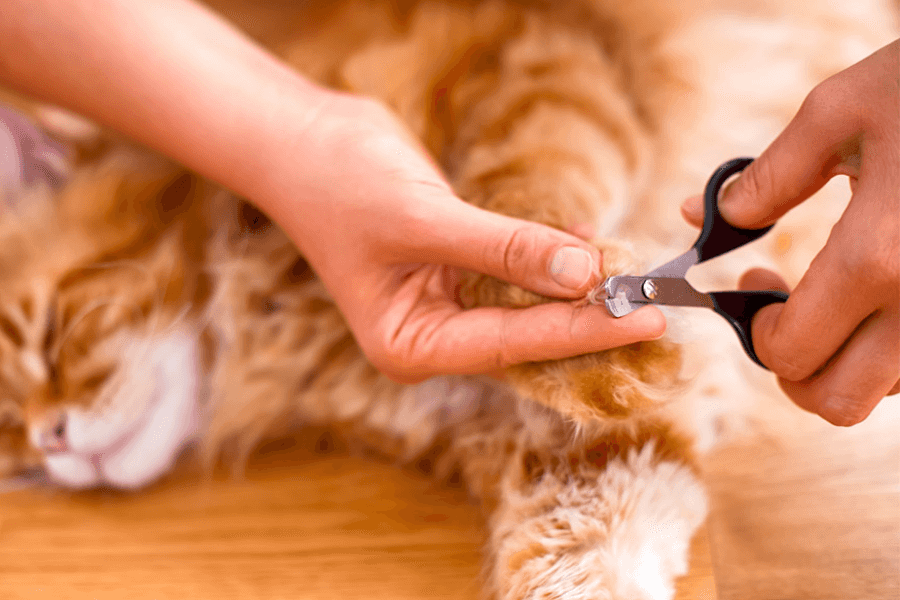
(495, 338)
(855, 381)
(693, 208)
(692, 211)
(585, 231)
(762, 279)
(533, 256)
(799, 162)
(796, 338)
(846, 282)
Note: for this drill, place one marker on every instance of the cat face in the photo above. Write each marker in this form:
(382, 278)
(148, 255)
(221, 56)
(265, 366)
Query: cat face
(98, 370)
(99, 382)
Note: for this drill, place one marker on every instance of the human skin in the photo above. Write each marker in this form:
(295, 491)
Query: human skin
(835, 344)
(340, 174)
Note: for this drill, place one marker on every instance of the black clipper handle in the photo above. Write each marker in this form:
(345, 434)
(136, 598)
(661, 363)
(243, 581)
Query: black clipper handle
(717, 236)
(739, 308)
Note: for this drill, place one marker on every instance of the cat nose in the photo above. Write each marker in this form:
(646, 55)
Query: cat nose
(52, 437)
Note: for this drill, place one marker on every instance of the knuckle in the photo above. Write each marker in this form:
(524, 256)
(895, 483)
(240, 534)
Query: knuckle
(399, 370)
(518, 251)
(381, 360)
(895, 389)
(756, 179)
(883, 263)
(851, 260)
(878, 264)
(829, 106)
(786, 362)
(504, 356)
(818, 103)
(393, 359)
(845, 410)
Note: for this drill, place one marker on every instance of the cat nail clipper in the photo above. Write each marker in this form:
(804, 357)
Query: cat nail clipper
(666, 284)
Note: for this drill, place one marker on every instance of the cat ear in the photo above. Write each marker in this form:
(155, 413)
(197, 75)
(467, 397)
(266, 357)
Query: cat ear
(127, 197)
(175, 197)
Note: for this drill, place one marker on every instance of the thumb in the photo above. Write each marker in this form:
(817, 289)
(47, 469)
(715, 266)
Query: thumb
(762, 279)
(799, 162)
(533, 256)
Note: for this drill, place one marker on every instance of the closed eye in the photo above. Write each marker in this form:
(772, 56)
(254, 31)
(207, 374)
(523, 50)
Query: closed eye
(94, 381)
(10, 414)
(11, 331)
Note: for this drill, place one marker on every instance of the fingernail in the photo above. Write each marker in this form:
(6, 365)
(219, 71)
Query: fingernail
(693, 208)
(571, 267)
(727, 201)
(726, 191)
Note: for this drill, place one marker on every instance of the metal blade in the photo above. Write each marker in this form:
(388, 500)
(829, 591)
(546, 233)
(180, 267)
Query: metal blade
(678, 267)
(624, 295)
(627, 293)
(675, 291)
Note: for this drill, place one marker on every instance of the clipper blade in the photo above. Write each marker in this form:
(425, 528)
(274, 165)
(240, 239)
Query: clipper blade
(618, 298)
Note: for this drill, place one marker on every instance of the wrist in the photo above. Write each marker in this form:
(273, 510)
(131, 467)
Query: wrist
(264, 161)
(282, 155)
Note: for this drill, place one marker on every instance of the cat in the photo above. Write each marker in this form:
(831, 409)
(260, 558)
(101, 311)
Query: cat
(145, 310)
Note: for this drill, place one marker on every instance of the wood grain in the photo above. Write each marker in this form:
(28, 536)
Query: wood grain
(297, 526)
(810, 511)
(807, 512)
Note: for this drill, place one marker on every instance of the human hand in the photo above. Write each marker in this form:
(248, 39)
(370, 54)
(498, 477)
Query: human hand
(835, 344)
(340, 174)
(387, 236)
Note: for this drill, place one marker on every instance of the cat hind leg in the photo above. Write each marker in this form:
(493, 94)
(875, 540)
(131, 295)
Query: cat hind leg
(577, 529)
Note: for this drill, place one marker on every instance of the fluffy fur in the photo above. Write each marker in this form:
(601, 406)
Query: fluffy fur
(144, 309)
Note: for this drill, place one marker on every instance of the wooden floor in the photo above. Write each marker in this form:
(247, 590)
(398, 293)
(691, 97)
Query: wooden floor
(297, 526)
(813, 514)
(810, 511)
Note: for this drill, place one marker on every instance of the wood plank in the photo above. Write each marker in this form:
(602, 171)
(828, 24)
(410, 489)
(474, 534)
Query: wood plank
(297, 526)
(810, 511)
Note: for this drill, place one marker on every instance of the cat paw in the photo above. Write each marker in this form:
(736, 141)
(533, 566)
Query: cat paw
(612, 385)
(619, 534)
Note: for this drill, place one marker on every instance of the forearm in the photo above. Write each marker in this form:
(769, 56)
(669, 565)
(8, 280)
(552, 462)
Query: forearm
(169, 73)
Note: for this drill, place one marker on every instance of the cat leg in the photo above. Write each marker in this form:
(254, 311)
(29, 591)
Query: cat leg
(591, 508)
(594, 511)
(558, 138)
(611, 521)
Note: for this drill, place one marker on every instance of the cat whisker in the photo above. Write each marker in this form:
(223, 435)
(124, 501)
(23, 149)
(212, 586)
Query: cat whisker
(179, 318)
(56, 348)
(54, 351)
(163, 289)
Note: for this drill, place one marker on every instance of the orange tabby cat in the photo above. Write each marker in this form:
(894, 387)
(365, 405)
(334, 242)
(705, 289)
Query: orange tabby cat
(143, 309)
